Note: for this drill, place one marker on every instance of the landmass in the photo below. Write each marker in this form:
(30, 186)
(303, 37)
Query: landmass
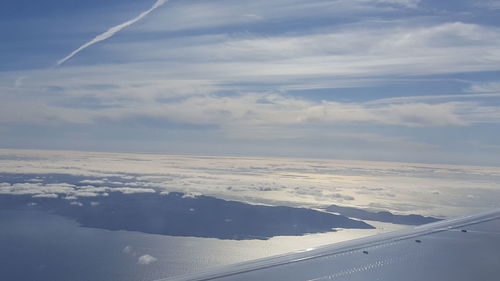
(381, 216)
(178, 215)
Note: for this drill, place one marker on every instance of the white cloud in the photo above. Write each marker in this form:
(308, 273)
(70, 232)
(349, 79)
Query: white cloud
(406, 3)
(112, 31)
(489, 4)
(223, 13)
(71, 192)
(88, 191)
(248, 111)
(191, 194)
(327, 58)
(46, 195)
(488, 87)
(85, 194)
(127, 250)
(36, 189)
(18, 83)
(435, 98)
(76, 203)
(324, 58)
(394, 49)
(128, 190)
(146, 259)
(93, 181)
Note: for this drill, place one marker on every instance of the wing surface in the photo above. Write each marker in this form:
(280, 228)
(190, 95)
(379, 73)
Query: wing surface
(466, 248)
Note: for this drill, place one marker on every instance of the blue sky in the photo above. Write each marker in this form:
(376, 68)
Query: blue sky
(398, 80)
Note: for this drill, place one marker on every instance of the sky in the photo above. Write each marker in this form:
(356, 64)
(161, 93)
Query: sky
(383, 80)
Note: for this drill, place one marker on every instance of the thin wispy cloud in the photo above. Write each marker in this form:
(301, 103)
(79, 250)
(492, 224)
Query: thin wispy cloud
(112, 31)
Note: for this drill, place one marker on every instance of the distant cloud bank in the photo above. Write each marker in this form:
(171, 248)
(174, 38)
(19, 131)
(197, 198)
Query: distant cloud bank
(401, 188)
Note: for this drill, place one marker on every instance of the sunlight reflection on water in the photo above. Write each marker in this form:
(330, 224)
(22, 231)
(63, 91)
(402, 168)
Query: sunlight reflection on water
(50, 247)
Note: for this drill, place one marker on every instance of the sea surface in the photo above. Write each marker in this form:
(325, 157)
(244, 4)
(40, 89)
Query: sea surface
(37, 245)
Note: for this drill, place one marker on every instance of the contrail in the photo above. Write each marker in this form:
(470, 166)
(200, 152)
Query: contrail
(112, 31)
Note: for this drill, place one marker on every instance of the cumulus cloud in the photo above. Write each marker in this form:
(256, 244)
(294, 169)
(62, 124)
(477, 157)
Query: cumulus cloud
(46, 195)
(127, 250)
(128, 190)
(146, 259)
(70, 192)
(191, 194)
(85, 194)
(36, 189)
(93, 181)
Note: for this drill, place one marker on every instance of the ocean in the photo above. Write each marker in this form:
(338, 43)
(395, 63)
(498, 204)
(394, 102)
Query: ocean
(40, 246)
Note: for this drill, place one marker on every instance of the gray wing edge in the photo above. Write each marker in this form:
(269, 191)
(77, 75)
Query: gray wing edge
(337, 248)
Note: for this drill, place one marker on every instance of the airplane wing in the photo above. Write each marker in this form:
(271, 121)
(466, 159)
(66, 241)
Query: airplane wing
(466, 248)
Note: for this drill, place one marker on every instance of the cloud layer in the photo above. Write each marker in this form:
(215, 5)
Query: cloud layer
(403, 188)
